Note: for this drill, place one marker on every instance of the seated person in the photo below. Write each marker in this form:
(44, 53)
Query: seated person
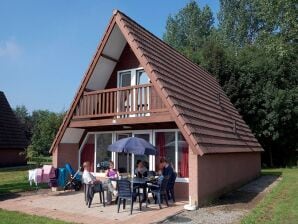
(141, 170)
(110, 174)
(111, 171)
(97, 185)
(88, 177)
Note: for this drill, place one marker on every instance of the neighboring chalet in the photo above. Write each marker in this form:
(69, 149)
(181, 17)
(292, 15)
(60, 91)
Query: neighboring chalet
(12, 137)
(137, 85)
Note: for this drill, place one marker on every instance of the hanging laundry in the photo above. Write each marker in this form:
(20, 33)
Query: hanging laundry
(32, 177)
(48, 172)
(39, 173)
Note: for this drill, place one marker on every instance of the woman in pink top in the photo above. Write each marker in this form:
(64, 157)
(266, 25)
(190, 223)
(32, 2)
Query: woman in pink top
(112, 172)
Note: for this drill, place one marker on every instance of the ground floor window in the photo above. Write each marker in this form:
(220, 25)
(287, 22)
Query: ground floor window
(172, 146)
(169, 143)
(103, 156)
(182, 147)
(165, 144)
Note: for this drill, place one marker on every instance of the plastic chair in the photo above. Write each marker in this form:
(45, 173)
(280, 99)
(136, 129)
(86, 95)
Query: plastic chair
(160, 191)
(125, 192)
(89, 194)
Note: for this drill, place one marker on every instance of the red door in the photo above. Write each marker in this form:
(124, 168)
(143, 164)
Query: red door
(87, 154)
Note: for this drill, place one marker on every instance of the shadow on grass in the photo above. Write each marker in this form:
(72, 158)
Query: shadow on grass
(248, 192)
(8, 196)
(14, 190)
(16, 168)
(271, 172)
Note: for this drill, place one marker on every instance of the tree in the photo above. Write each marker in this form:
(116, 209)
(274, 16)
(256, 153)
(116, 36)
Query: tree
(24, 118)
(41, 127)
(238, 21)
(44, 131)
(188, 29)
(244, 21)
(253, 54)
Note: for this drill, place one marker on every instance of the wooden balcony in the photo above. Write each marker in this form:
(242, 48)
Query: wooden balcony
(124, 102)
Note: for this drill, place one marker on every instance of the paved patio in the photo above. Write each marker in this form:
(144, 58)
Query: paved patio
(70, 206)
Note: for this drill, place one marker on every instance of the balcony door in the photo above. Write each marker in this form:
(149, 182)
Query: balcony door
(142, 95)
(134, 99)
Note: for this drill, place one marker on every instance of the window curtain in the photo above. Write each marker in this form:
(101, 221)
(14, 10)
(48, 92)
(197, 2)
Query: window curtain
(160, 145)
(87, 154)
(184, 161)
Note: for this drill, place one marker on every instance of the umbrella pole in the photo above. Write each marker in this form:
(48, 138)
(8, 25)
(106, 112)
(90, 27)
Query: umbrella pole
(127, 163)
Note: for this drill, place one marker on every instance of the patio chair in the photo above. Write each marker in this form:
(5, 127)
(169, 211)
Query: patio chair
(125, 192)
(89, 194)
(160, 191)
(170, 187)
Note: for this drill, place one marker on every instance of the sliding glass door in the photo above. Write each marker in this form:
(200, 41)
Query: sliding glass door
(123, 159)
(143, 158)
(126, 163)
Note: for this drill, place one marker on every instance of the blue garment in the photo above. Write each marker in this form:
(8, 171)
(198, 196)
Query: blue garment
(62, 177)
(169, 171)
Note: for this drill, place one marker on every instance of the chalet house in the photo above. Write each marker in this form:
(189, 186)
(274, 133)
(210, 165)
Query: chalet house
(137, 85)
(12, 137)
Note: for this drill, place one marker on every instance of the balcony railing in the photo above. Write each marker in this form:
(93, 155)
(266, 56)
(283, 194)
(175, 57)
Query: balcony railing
(131, 101)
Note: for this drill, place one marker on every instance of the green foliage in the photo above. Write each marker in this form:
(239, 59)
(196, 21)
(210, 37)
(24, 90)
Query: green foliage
(24, 118)
(15, 179)
(188, 30)
(253, 54)
(46, 126)
(41, 127)
(11, 217)
(281, 203)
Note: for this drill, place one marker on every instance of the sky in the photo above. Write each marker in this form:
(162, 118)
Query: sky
(46, 46)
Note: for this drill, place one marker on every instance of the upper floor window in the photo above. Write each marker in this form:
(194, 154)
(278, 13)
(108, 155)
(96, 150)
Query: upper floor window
(132, 77)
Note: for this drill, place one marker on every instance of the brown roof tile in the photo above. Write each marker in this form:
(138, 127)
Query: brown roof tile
(193, 94)
(12, 135)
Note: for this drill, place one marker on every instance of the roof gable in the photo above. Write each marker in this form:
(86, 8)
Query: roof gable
(200, 108)
(12, 135)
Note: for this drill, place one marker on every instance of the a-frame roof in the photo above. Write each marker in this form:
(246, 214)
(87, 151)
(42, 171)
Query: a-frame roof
(202, 111)
(12, 135)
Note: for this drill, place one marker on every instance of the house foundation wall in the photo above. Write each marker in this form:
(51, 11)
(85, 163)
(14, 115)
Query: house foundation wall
(220, 173)
(181, 191)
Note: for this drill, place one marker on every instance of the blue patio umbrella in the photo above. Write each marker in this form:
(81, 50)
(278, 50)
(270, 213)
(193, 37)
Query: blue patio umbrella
(134, 145)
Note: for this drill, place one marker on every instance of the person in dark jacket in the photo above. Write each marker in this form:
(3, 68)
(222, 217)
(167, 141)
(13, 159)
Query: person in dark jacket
(167, 170)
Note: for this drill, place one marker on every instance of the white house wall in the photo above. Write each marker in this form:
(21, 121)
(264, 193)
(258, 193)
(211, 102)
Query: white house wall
(104, 66)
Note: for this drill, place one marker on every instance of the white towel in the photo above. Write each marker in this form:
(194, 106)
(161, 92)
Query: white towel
(32, 177)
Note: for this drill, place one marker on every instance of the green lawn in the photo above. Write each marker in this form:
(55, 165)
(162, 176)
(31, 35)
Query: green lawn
(14, 179)
(8, 217)
(281, 204)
